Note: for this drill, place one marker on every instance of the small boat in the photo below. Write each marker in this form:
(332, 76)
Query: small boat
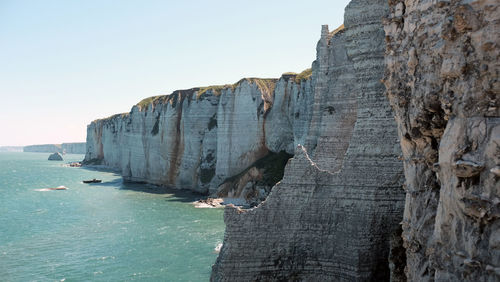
(92, 181)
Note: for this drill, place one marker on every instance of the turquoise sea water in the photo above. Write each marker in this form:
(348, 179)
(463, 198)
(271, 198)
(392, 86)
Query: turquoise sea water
(99, 232)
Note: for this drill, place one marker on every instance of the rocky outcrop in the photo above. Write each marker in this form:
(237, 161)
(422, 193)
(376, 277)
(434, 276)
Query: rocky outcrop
(443, 82)
(335, 215)
(55, 157)
(68, 148)
(202, 138)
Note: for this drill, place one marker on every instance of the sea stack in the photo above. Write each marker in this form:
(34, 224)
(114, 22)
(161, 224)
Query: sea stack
(55, 157)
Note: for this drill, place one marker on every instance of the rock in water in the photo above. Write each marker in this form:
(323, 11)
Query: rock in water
(442, 79)
(334, 213)
(55, 157)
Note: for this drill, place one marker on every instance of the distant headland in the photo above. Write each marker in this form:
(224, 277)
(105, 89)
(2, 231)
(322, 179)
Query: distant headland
(69, 148)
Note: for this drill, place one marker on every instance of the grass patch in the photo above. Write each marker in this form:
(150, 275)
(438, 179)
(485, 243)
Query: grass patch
(144, 103)
(337, 30)
(215, 89)
(122, 115)
(298, 77)
(304, 75)
(266, 86)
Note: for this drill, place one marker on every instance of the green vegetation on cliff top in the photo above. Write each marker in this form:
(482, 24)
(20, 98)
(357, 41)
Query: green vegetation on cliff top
(215, 89)
(265, 85)
(304, 75)
(146, 101)
(335, 31)
(121, 115)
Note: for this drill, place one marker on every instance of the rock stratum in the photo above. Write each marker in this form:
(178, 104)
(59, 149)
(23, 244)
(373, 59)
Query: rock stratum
(340, 212)
(442, 79)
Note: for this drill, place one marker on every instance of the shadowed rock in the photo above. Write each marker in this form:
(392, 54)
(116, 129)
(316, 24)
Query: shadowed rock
(55, 157)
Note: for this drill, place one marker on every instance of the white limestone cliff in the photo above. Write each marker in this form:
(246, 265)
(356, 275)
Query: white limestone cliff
(199, 138)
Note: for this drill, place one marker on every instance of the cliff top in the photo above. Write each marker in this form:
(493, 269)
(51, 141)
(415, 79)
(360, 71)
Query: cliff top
(114, 116)
(298, 77)
(337, 30)
(266, 86)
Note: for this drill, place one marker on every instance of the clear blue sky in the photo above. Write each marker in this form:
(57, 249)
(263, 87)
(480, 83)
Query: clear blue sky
(65, 63)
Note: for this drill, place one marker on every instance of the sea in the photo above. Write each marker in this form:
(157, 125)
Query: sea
(111, 231)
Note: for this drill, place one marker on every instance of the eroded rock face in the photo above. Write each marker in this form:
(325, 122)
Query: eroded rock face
(198, 139)
(443, 82)
(340, 202)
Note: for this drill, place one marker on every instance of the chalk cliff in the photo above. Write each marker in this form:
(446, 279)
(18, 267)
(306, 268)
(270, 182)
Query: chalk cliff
(442, 79)
(210, 140)
(335, 215)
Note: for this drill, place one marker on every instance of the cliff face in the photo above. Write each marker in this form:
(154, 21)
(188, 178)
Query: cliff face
(206, 139)
(69, 148)
(340, 202)
(443, 82)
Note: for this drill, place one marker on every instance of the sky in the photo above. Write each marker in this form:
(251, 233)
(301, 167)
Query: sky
(66, 63)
